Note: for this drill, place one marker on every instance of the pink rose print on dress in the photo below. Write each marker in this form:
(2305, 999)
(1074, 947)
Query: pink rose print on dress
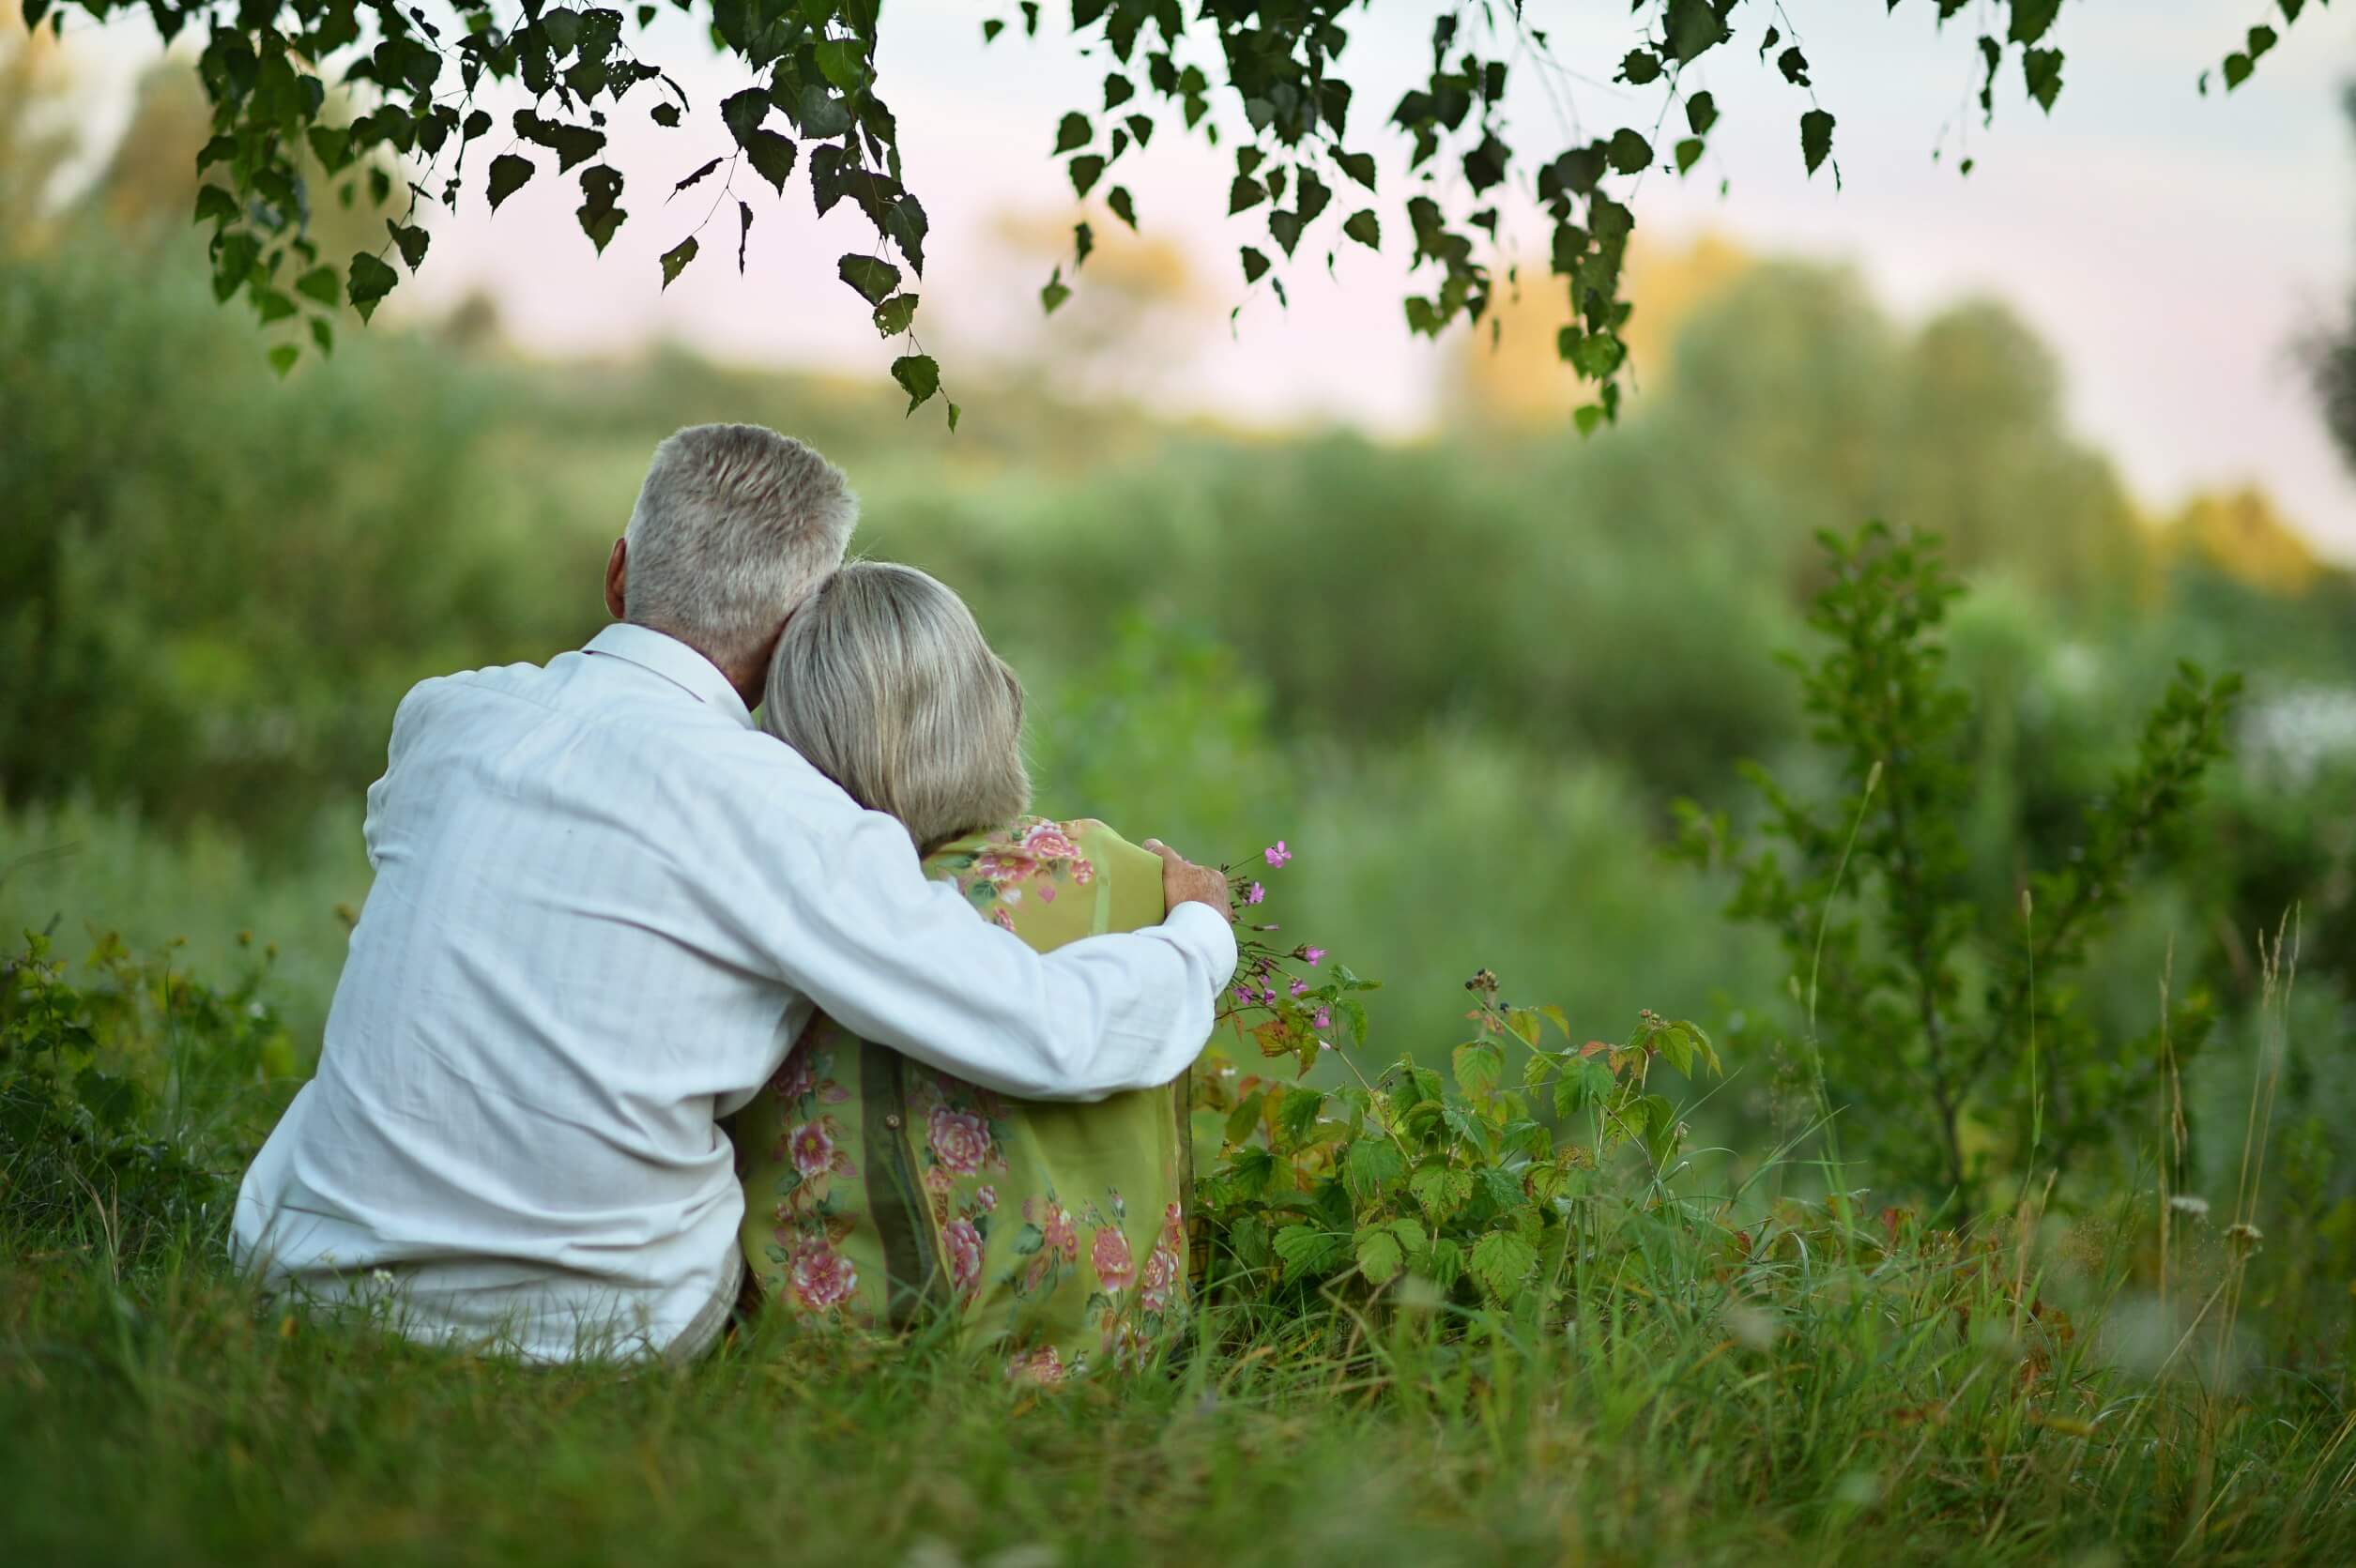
(1158, 1285)
(964, 1244)
(1049, 842)
(986, 1198)
(1110, 1253)
(823, 1277)
(1002, 868)
(1083, 872)
(1127, 1349)
(1042, 1366)
(960, 1140)
(1061, 1235)
(798, 1077)
(1002, 920)
(812, 1147)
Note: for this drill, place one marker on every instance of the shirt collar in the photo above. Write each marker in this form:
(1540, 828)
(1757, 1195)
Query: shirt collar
(676, 662)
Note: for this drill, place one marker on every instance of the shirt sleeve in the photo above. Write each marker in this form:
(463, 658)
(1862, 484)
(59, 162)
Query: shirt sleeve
(906, 962)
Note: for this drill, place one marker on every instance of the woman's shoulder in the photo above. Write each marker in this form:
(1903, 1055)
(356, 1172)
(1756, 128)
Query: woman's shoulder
(1075, 849)
(1051, 880)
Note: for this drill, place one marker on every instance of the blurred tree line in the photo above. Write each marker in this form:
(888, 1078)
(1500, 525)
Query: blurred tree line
(215, 587)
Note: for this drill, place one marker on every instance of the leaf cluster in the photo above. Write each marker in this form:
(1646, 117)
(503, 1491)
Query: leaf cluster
(380, 97)
(1460, 1187)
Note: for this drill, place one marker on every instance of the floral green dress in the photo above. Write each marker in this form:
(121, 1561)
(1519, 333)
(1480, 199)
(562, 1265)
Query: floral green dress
(879, 1189)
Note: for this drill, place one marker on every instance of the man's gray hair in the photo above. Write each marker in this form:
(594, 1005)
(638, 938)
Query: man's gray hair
(884, 684)
(734, 527)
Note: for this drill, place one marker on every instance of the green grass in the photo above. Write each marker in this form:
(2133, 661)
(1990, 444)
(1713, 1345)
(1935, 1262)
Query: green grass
(1918, 1399)
(79, 872)
(1735, 1370)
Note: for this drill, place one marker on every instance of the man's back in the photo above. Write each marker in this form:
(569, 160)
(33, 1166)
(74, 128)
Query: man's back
(547, 998)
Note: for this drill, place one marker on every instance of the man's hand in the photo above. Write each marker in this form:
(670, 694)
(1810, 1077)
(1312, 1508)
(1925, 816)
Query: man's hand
(1184, 882)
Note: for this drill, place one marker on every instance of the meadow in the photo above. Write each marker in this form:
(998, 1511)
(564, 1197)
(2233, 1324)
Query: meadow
(1718, 1369)
(1604, 718)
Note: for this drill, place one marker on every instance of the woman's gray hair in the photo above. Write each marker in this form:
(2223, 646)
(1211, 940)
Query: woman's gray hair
(883, 682)
(734, 525)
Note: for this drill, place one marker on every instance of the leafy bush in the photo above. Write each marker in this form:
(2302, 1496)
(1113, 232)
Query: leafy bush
(210, 611)
(1469, 1189)
(1944, 1039)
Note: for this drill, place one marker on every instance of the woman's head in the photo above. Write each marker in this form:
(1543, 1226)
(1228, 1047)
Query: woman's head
(884, 684)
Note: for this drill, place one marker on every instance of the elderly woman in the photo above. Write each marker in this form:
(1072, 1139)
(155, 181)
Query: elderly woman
(877, 1189)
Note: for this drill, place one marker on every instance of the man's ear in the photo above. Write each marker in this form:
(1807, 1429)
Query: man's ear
(616, 576)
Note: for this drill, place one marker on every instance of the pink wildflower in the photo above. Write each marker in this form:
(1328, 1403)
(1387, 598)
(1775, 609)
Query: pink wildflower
(1315, 955)
(1257, 893)
(1300, 988)
(1277, 854)
(1325, 1019)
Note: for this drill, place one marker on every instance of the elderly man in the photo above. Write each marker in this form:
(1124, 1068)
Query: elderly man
(605, 907)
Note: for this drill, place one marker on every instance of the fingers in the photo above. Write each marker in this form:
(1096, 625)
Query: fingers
(1184, 882)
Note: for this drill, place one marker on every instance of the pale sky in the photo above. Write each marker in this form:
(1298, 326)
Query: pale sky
(2171, 247)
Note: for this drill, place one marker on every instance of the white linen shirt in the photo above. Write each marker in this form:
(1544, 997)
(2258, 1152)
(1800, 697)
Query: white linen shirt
(604, 906)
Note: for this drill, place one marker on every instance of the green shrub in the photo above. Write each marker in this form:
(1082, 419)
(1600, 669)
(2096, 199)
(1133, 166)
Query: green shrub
(1944, 1039)
(130, 1099)
(214, 588)
(1461, 1183)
